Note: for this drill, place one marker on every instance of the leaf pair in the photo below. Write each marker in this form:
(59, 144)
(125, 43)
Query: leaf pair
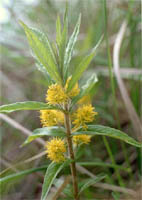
(92, 130)
(57, 131)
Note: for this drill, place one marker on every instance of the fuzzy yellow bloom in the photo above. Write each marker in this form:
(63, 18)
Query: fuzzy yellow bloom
(55, 150)
(56, 94)
(78, 139)
(51, 117)
(83, 115)
(75, 91)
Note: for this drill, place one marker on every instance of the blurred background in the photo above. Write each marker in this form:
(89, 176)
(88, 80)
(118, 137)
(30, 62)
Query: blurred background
(21, 81)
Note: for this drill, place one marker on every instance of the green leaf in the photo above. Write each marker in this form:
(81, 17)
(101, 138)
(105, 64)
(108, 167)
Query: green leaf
(115, 195)
(42, 49)
(85, 90)
(46, 131)
(103, 164)
(27, 105)
(62, 44)
(20, 174)
(58, 31)
(107, 131)
(82, 67)
(51, 173)
(41, 68)
(70, 45)
(91, 181)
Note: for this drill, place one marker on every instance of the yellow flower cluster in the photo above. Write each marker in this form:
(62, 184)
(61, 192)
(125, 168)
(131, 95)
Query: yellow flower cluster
(51, 117)
(78, 139)
(56, 94)
(55, 150)
(83, 115)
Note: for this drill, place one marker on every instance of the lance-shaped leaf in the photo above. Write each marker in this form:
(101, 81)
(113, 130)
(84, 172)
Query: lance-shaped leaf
(91, 181)
(46, 131)
(82, 67)
(103, 164)
(63, 41)
(51, 173)
(20, 174)
(42, 49)
(115, 195)
(58, 31)
(70, 45)
(27, 105)
(41, 68)
(85, 89)
(110, 132)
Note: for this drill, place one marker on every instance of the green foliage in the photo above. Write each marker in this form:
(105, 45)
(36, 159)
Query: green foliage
(27, 105)
(16, 176)
(62, 44)
(43, 51)
(115, 195)
(82, 67)
(54, 131)
(54, 61)
(107, 131)
(41, 68)
(86, 89)
(58, 31)
(70, 46)
(51, 173)
(91, 181)
(103, 164)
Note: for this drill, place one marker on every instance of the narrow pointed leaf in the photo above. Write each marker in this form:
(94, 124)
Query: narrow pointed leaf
(27, 105)
(63, 42)
(58, 31)
(42, 49)
(92, 181)
(103, 164)
(46, 131)
(20, 174)
(82, 67)
(110, 132)
(51, 173)
(115, 195)
(41, 68)
(70, 45)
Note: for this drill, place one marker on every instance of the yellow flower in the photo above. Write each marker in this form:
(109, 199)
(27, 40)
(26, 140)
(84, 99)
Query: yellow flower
(83, 115)
(55, 150)
(51, 117)
(56, 94)
(75, 91)
(78, 139)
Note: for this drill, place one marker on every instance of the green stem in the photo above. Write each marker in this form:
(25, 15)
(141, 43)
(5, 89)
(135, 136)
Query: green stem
(71, 153)
(113, 161)
(126, 158)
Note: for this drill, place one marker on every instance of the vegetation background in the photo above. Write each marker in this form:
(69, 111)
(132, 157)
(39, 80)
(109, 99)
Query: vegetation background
(21, 81)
